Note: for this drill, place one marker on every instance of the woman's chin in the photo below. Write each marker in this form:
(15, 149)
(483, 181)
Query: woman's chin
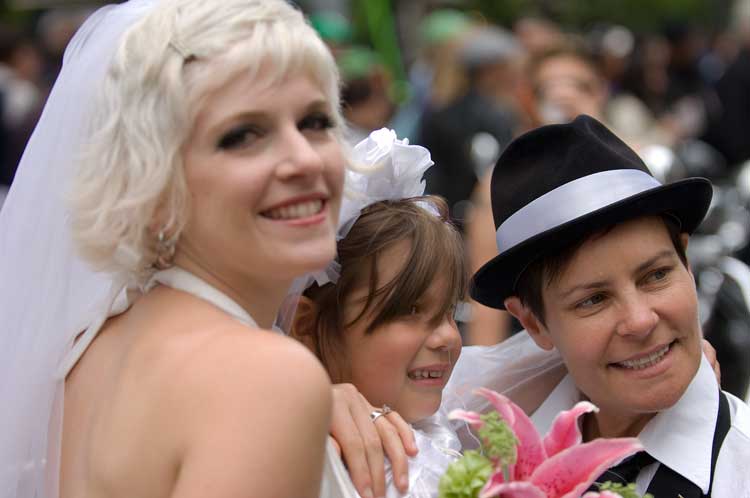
(308, 260)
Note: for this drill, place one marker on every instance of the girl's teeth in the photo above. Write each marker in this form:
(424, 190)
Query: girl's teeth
(426, 374)
(301, 210)
(646, 361)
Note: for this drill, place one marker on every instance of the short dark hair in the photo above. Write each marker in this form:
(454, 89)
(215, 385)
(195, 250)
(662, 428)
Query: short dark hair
(545, 270)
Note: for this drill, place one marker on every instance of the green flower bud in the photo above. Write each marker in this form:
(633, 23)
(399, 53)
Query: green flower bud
(498, 440)
(465, 477)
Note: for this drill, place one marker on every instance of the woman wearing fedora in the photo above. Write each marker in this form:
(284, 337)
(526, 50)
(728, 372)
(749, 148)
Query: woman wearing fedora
(592, 263)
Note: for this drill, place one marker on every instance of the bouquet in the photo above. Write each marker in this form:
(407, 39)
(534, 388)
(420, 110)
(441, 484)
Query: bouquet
(514, 461)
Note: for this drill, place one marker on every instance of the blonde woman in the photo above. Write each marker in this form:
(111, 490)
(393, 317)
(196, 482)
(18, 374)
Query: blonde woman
(189, 161)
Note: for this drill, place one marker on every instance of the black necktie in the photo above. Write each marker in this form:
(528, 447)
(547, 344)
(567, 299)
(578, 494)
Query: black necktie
(626, 471)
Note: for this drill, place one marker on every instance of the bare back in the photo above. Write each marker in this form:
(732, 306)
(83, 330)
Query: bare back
(134, 401)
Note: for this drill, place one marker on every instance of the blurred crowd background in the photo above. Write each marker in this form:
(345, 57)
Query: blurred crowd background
(463, 77)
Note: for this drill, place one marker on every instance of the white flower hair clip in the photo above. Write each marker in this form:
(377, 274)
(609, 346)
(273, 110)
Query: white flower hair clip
(382, 168)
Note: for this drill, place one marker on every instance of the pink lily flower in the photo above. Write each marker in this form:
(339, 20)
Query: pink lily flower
(556, 466)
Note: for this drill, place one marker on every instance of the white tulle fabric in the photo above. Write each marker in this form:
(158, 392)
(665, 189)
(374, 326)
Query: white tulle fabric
(48, 295)
(516, 367)
(438, 447)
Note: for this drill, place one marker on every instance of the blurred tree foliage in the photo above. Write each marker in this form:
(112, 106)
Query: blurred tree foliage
(638, 15)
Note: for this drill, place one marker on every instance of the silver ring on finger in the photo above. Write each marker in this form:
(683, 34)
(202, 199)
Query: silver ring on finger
(375, 414)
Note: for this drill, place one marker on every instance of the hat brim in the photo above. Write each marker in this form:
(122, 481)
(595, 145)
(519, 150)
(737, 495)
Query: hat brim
(686, 200)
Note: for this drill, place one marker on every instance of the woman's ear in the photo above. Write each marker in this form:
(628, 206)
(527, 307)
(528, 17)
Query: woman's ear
(303, 325)
(684, 238)
(530, 322)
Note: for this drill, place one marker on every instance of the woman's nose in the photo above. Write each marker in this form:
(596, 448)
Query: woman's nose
(638, 316)
(301, 156)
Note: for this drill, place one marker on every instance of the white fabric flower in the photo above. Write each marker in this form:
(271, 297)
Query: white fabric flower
(383, 168)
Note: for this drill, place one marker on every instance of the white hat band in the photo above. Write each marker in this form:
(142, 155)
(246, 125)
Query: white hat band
(570, 201)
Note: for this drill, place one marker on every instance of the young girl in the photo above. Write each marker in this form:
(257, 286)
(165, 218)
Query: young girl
(385, 321)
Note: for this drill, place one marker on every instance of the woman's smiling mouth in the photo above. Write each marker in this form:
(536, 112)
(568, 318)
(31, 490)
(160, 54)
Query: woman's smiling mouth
(295, 211)
(642, 362)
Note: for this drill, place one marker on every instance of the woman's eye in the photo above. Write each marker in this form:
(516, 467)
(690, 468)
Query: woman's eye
(242, 136)
(317, 121)
(658, 275)
(591, 301)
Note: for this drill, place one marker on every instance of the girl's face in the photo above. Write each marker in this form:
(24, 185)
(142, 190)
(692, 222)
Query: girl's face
(265, 173)
(407, 362)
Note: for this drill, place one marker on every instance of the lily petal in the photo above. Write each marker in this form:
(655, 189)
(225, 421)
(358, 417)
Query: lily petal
(517, 489)
(565, 432)
(531, 452)
(501, 403)
(530, 448)
(569, 473)
(472, 418)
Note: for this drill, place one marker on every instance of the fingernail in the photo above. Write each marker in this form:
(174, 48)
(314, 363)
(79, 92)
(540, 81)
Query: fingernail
(403, 482)
(368, 493)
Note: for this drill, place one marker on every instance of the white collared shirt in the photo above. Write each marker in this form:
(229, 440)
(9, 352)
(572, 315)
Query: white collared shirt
(682, 436)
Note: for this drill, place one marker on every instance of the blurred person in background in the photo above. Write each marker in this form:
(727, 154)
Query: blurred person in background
(537, 34)
(366, 94)
(21, 98)
(490, 58)
(55, 29)
(689, 99)
(612, 46)
(568, 80)
(728, 131)
(665, 74)
(436, 76)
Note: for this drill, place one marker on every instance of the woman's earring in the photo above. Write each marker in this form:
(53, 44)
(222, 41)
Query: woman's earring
(165, 248)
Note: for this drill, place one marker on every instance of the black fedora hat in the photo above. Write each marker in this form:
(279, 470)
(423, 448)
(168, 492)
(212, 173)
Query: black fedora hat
(560, 183)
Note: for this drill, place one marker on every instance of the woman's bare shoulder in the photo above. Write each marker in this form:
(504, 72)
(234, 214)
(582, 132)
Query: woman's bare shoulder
(252, 405)
(247, 360)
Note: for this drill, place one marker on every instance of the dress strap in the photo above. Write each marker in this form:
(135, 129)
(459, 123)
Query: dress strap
(84, 340)
(174, 277)
(177, 278)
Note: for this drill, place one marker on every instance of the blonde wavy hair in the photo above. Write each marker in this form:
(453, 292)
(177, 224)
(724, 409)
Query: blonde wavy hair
(164, 67)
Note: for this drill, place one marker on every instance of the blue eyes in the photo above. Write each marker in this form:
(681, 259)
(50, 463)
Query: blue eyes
(591, 301)
(653, 279)
(245, 135)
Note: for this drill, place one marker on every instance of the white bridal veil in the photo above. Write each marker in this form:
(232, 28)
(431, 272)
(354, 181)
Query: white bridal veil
(47, 294)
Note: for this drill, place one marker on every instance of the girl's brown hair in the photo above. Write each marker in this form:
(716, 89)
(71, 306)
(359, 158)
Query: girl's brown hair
(436, 251)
